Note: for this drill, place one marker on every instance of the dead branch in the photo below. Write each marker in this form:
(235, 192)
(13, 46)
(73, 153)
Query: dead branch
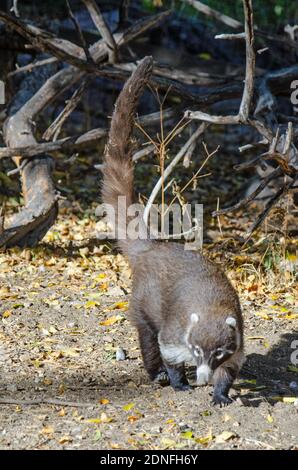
(103, 28)
(243, 113)
(80, 34)
(244, 202)
(55, 128)
(29, 226)
(281, 148)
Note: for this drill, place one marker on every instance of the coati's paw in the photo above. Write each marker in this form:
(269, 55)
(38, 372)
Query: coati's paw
(182, 387)
(162, 378)
(221, 400)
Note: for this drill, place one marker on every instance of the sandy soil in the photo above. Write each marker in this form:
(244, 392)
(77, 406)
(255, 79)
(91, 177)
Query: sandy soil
(63, 321)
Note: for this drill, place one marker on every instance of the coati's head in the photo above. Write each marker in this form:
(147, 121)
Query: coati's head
(212, 343)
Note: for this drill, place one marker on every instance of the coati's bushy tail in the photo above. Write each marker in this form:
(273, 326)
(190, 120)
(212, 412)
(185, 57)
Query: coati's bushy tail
(118, 167)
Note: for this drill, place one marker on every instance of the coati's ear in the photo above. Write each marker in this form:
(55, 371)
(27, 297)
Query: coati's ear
(194, 318)
(231, 321)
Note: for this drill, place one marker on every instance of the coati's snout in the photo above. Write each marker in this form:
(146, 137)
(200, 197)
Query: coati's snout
(211, 351)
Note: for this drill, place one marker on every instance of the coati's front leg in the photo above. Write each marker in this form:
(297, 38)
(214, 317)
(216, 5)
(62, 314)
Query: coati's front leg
(224, 377)
(176, 373)
(223, 380)
(151, 354)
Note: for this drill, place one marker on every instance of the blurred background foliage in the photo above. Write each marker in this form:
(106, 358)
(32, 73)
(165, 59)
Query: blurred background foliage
(271, 14)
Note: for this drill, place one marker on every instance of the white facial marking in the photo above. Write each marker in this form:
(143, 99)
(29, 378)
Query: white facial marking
(204, 374)
(196, 353)
(194, 318)
(219, 355)
(231, 321)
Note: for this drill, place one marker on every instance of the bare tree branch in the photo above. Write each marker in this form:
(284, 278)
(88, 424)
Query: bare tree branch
(103, 28)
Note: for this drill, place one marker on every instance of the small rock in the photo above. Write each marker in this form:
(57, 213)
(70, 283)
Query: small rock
(293, 385)
(12, 388)
(242, 401)
(120, 354)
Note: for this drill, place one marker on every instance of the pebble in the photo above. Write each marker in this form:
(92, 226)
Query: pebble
(12, 388)
(242, 401)
(120, 354)
(293, 385)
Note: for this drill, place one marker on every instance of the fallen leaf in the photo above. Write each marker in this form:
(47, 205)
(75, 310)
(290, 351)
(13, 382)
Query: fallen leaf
(225, 436)
(111, 320)
(65, 439)
(128, 407)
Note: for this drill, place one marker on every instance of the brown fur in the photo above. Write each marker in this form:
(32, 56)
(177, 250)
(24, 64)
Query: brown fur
(169, 283)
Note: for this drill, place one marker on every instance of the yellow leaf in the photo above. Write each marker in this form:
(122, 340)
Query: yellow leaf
(270, 418)
(65, 439)
(92, 304)
(204, 440)
(187, 435)
(170, 421)
(6, 314)
(104, 401)
(292, 368)
(128, 407)
(285, 399)
(120, 306)
(70, 352)
(111, 320)
(132, 418)
(225, 436)
(93, 420)
(47, 430)
(167, 443)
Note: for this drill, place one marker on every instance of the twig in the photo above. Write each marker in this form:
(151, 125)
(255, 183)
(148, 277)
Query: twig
(168, 170)
(143, 152)
(2, 217)
(80, 33)
(103, 29)
(55, 128)
(15, 8)
(250, 62)
(230, 37)
(17, 170)
(45, 401)
(67, 143)
(283, 190)
(30, 67)
(274, 174)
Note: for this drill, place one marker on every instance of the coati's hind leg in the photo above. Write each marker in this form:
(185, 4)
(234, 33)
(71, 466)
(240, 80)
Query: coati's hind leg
(151, 354)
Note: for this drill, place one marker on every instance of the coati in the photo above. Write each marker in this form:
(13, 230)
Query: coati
(183, 306)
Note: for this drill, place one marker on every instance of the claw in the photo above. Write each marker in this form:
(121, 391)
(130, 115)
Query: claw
(162, 378)
(221, 400)
(182, 388)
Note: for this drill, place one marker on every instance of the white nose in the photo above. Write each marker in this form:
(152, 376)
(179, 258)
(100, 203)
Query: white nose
(203, 374)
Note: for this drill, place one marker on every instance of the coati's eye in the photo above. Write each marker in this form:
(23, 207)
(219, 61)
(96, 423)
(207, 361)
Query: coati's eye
(219, 354)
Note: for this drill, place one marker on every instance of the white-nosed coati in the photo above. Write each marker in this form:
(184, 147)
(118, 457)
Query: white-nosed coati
(182, 305)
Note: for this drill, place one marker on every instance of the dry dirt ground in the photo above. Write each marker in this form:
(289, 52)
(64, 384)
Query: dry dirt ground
(62, 331)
